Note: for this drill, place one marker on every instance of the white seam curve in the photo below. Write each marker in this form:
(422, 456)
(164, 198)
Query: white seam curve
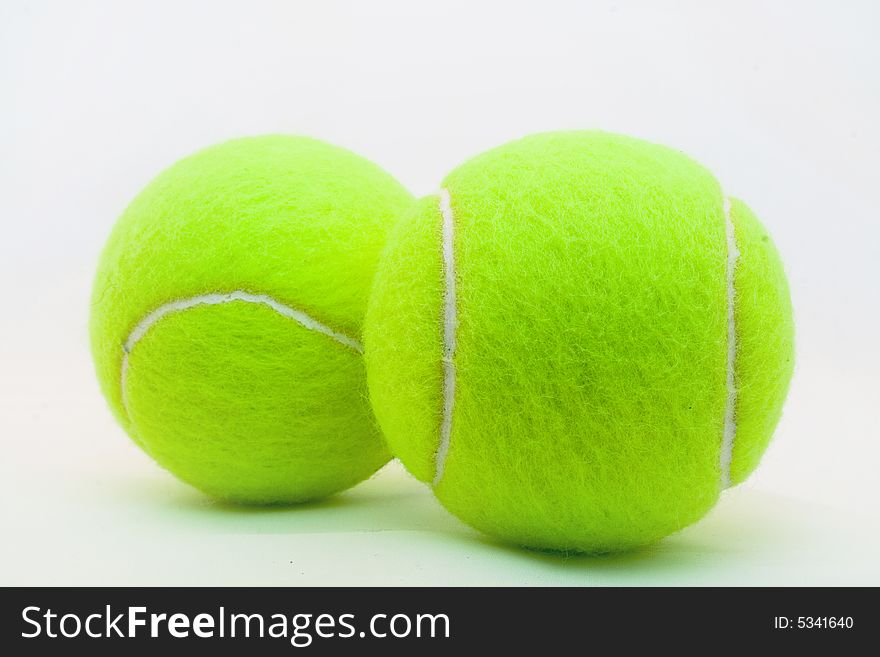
(730, 405)
(450, 321)
(219, 298)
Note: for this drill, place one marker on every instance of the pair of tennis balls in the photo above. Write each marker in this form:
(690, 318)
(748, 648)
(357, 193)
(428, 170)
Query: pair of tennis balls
(579, 342)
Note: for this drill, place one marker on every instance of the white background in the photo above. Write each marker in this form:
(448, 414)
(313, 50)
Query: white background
(780, 99)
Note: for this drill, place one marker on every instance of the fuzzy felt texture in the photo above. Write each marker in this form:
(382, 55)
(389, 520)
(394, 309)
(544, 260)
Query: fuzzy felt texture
(765, 341)
(235, 398)
(591, 342)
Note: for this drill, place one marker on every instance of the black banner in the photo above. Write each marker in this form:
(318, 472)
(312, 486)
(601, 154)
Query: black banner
(280, 621)
(284, 620)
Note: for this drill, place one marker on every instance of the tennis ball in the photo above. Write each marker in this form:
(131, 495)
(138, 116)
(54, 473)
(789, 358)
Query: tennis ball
(579, 342)
(226, 317)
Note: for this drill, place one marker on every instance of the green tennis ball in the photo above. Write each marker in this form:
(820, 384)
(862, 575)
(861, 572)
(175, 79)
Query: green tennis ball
(227, 311)
(579, 342)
